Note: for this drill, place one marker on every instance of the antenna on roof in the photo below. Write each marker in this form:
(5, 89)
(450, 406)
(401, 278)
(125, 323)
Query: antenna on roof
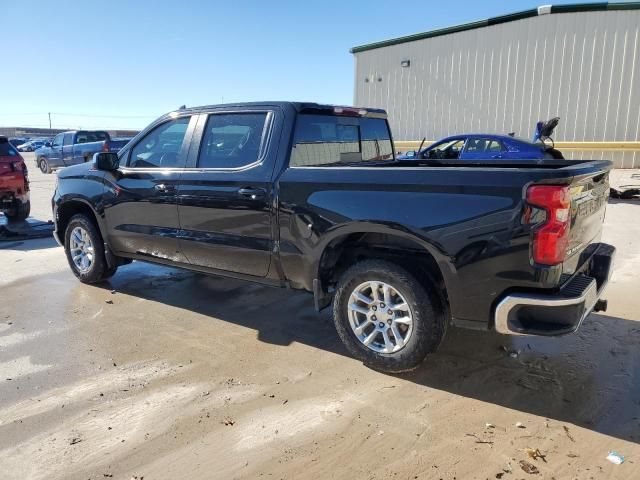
(182, 107)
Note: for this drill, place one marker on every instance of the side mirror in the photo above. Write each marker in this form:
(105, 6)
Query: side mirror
(410, 153)
(107, 161)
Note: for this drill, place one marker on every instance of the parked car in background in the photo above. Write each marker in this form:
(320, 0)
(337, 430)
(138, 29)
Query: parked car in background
(310, 197)
(15, 141)
(490, 146)
(30, 146)
(14, 182)
(71, 148)
(483, 147)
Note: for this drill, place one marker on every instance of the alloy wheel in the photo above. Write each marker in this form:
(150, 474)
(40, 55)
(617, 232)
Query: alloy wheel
(380, 317)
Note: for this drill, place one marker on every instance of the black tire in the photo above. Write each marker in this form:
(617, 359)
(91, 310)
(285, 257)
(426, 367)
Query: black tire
(99, 270)
(429, 322)
(44, 166)
(19, 212)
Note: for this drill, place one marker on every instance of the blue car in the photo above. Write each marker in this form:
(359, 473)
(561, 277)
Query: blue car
(489, 146)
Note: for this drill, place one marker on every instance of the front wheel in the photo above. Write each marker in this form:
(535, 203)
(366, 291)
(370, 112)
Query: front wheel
(85, 250)
(44, 165)
(385, 317)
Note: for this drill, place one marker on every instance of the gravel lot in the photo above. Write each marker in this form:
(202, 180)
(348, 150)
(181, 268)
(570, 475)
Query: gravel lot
(167, 374)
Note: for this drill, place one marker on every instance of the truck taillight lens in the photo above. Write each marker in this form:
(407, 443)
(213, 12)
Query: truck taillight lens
(551, 238)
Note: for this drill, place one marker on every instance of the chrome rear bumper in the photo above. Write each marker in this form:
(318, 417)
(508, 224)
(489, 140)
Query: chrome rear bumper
(561, 312)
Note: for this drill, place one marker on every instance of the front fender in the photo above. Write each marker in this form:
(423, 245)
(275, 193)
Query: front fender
(78, 190)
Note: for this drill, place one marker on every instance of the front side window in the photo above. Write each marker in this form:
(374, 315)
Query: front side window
(68, 139)
(160, 148)
(321, 140)
(448, 150)
(232, 140)
(57, 141)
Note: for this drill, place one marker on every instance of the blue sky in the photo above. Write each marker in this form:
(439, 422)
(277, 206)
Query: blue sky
(120, 64)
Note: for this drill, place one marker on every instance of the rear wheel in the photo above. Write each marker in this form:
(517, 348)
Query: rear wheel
(85, 250)
(44, 165)
(19, 212)
(385, 317)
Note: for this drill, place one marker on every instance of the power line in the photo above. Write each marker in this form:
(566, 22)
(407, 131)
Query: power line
(81, 115)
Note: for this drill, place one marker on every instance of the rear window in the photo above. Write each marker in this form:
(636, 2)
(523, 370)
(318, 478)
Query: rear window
(6, 149)
(325, 140)
(87, 137)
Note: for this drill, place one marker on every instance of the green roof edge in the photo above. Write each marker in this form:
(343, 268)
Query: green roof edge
(510, 17)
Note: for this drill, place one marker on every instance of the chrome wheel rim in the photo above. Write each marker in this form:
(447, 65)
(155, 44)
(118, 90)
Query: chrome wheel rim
(380, 317)
(81, 249)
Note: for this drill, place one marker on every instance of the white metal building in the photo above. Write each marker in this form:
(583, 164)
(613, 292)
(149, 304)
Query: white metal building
(579, 62)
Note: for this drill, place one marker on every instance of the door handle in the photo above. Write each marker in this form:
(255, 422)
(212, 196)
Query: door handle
(163, 188)
(252, 193)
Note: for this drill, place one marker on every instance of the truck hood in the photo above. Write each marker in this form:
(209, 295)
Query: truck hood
(81, 169)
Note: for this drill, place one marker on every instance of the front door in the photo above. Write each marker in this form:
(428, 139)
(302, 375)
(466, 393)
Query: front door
(224, 198)
(55, 152)
(67, 150)
(140, 199)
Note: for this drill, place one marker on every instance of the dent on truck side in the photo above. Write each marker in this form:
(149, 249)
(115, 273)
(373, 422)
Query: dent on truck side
(470, 225)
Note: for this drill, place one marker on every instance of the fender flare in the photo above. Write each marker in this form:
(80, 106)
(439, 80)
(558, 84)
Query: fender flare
(443, 262)
(67, 199)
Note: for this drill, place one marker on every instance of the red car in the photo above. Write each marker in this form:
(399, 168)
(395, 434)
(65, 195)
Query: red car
(14, 182)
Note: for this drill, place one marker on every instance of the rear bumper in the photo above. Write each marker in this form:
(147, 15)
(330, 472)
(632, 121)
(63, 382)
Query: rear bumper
(560, 312)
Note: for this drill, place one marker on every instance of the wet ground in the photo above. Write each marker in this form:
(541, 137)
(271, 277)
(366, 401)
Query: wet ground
(166, 374)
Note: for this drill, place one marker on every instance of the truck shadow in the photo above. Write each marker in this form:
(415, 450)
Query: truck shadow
(589, 379)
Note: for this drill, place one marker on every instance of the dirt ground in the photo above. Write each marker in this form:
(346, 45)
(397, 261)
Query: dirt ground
(166, 374)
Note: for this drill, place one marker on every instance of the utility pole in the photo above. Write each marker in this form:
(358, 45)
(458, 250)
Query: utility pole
(49, 120)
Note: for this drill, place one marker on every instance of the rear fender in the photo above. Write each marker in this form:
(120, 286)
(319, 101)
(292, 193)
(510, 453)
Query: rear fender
(335, 236)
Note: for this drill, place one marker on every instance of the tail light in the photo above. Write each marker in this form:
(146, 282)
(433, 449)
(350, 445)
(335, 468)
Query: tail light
(551, 238)
(105, 147)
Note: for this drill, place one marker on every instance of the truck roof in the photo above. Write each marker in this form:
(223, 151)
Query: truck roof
(300, 107)
(81, 130)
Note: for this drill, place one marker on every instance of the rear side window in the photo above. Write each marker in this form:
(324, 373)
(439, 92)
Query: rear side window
(232, 140)
(86, 137)
(6, 149)
(324, 140)
(494, 146)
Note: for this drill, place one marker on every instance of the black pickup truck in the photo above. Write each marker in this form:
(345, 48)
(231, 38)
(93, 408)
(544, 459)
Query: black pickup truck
(308, 196)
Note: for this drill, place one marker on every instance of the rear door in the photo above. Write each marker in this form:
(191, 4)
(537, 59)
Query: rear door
(140, 198)
(225, 195)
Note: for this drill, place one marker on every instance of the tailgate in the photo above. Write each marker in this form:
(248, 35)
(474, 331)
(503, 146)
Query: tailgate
(589, 196)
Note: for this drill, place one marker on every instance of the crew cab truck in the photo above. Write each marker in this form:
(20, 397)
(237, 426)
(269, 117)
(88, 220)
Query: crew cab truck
(71, 148)
(307, 196)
